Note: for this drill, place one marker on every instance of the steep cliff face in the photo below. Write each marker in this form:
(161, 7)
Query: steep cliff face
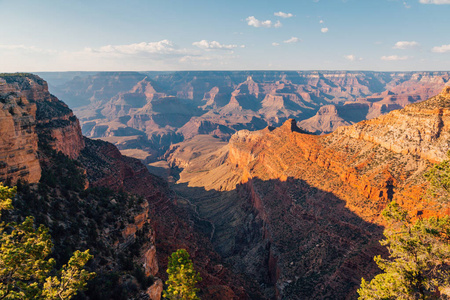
(53, 118)
(18, 138)
(306, 209)
(422, 129)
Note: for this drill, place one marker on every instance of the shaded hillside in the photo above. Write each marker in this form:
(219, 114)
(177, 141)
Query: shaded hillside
(152, 110)
(306, 209)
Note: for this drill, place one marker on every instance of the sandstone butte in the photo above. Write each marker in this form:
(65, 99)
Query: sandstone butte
(31, 118)
(307, 208)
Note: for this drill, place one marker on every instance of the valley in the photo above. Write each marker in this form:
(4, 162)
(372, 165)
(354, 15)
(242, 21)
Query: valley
(225, 150)
(266, 210)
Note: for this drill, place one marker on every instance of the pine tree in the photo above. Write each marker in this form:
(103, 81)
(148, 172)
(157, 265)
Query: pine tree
(182, 277)
(24, 266)
(419, 262)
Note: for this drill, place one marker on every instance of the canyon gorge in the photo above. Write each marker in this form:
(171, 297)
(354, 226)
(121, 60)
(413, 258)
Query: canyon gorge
(273, 181)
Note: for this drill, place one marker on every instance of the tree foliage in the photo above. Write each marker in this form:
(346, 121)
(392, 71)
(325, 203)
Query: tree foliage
(419, 264)
(182, 277)
(25, 270)
(439, 178)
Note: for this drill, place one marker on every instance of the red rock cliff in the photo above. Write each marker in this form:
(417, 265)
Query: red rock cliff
(27, 111)
(18, 138)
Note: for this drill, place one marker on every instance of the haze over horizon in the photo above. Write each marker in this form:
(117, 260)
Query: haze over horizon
(385, 35)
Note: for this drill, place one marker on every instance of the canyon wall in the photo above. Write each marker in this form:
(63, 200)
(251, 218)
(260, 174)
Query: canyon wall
(18, 137)
(28, 111)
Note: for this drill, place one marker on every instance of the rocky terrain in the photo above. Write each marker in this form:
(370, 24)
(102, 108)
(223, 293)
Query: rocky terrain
(149, 111)
(305, 208)
(93, 197)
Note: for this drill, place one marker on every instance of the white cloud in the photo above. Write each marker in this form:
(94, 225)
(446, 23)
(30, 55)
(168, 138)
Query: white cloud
(395, 58)
(161, 47)
(252, 21)
(324, 30)
(204, 44)
(406, 45)
(283, 15)
(275, 44)
(292, 40)
(350, 57)
(441, 49)
(435, 1)
(162, 55)
(321, 22)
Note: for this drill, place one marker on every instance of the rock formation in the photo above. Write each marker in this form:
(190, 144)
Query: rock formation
(18, 138)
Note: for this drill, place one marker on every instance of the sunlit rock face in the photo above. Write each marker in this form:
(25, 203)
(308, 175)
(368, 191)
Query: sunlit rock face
(18, 137)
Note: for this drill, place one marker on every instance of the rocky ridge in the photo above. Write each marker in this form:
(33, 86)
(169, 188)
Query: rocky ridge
(18, 138)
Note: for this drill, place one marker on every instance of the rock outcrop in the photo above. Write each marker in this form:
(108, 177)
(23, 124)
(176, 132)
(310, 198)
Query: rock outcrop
(154, 292)
(421, 129)
(18, 137)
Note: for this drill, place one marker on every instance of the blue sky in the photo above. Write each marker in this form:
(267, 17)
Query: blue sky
(108, 35)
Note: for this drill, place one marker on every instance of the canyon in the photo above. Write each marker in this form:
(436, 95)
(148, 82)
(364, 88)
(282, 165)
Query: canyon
(306, 208)
(266, 209)
(92, 197)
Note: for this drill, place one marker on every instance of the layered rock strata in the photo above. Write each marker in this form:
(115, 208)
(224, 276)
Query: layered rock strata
(29, 111)
(18, 137)
(149, 111)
